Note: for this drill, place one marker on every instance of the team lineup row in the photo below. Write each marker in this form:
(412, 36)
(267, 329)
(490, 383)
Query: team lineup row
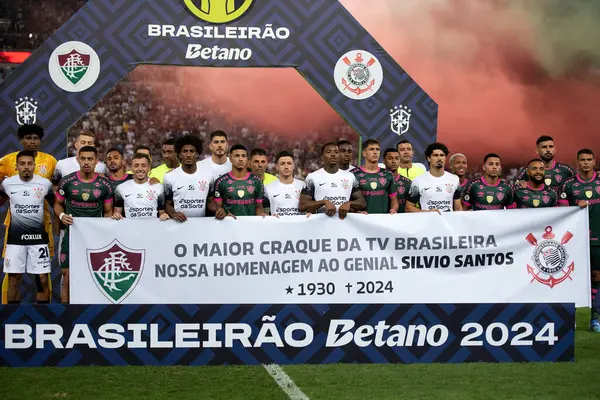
(234, 183)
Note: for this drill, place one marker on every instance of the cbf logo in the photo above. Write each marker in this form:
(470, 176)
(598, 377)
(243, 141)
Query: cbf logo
(74, 66)
(358, 74)
(116, 270)
(26, 109)
(550, 259)
(400, 119)
(218, 11)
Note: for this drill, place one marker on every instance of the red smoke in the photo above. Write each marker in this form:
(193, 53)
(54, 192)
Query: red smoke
(477, 59)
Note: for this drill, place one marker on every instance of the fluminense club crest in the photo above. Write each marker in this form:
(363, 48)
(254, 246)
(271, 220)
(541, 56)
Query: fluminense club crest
(358, 74)
(550, 258)
(74, 66)
(116, 269)
(26, 108)
(400, 119)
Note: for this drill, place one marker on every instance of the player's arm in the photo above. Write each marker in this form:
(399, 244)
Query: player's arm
(414, 195)
(357, 203)
(466, 198)
(563, 199)
(215, 201)
(457, 203)
(109, 202)
(509, 199)
(259, 192)
(2, 177)
(393, 193)
(309, 204)
(59, 209)
(119, 204)
(170, 204)
(160, 205)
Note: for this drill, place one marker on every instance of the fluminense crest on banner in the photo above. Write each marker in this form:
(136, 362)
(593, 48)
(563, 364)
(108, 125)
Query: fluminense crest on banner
(550, 258)
(74, 66)
(26, 109)
(116, 269)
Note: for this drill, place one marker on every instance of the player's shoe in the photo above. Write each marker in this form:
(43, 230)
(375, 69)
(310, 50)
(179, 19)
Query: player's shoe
(595, 326)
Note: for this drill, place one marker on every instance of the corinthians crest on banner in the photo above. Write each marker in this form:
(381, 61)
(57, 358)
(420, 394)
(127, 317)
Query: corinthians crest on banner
(550, 259)
(116, 269)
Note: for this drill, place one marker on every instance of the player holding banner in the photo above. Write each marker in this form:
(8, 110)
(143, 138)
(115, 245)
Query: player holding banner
(137, 198)
(437, 189)
(488, 192)
(583, 190)
(284, 193)
(378, 186)
(330, 189)
(81, 194)
(535, 194)
(391, 159)
(26, 248)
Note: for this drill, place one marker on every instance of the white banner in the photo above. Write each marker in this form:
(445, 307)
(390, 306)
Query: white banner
(509, 256)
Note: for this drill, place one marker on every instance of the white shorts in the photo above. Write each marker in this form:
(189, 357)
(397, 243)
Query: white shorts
(33, 259)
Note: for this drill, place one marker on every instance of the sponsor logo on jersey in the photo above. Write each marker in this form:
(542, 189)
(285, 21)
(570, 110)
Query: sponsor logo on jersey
(26, 109)
(116, 269)
(548, 181)
(373, 185)
(400, 119)
(85, 196)
(536, 202)
(241, 193)
(550, 258)
(358, 74)
(489, 199)
(588, 194)
(218, 11)
(74, 66)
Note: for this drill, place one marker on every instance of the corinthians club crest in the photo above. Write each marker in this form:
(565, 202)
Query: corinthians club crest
(550, 259)
(400, 119)
(358, 74)
(116, 269)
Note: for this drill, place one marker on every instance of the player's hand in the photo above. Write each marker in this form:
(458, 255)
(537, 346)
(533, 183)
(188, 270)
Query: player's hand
(164, 217)
(275, 215)
(522, 184)
(363, 212)
(231, 215)
(582, 203)
(179, 217)
(329, 208)
(435, 210)
(153, 181)
(308, 214)
(344, 210)
(220, 213)
(67, 219)
(263, 215)
(392, 212)
(117, 216)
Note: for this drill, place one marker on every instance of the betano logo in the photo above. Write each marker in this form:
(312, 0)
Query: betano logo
(218, 11)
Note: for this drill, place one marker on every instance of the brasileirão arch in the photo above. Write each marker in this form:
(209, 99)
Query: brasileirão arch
(106, 39)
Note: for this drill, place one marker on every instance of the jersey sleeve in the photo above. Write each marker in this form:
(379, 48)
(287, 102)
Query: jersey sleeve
(119, 201)
(108, 192)
(522, 175)
(260, 191)
(555, 197)
(414, 195)
(392, 187)
(509, 198)
(219, 189)
(160, 202)
(52, 167)
(309, 187)
(564, 194)
(3, 167)
(570, 170)
(62, 189)
(168, 188)
(457, 193)
(57, 176)
(355, 184)
(466, 198)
